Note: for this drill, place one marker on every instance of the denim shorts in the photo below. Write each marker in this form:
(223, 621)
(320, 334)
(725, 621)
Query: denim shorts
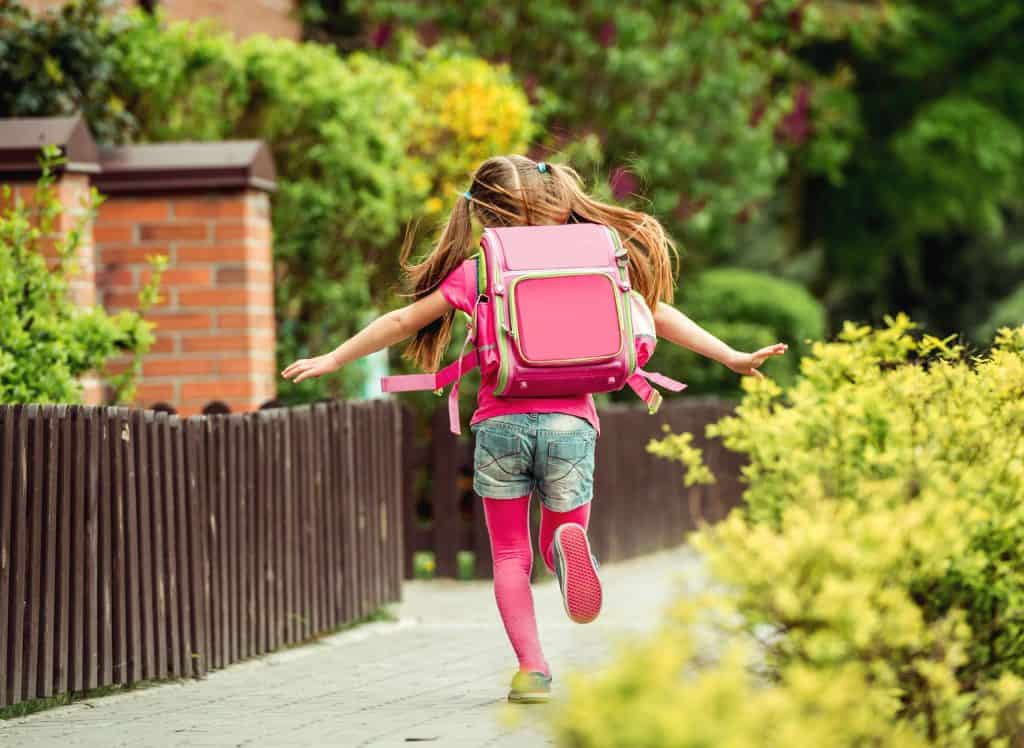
(550, 452)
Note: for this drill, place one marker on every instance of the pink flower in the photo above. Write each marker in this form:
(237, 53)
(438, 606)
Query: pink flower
(607, 34)
(381, 35)
(623, 183)
(796, 127)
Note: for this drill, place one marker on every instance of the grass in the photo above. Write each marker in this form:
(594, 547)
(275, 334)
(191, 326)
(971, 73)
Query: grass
(423, 565)
(25, 708)
(465, 565)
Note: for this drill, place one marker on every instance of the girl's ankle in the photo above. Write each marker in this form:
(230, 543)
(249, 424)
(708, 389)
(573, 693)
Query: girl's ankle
(544, 669)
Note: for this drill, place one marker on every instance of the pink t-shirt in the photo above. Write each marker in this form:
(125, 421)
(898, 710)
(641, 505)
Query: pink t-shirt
(459, 289)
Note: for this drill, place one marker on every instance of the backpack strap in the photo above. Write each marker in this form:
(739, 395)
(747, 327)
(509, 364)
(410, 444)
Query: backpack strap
(640, 383)
(451, 374)
(436, 381)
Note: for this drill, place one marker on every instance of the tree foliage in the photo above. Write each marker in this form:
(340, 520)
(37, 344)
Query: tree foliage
(61, 63)
(871, 150)
(924, 212)
(684, 99)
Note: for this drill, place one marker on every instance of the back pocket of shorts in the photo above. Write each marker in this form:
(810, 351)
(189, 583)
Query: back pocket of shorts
(498, 454)
(567, 457)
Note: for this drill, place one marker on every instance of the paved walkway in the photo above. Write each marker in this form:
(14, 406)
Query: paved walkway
(438, 675)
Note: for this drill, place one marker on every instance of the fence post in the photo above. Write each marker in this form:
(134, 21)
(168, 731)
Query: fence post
(141, 428)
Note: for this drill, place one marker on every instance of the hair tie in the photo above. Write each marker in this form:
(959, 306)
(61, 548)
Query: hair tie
(542, 167)
(467, 195)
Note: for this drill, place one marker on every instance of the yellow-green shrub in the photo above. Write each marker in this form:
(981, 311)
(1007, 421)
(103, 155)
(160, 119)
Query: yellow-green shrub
(467, 111)
(645, 700)
(881, 545)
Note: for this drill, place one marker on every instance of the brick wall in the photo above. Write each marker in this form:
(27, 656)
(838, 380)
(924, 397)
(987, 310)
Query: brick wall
(215, 321)
(276, 18)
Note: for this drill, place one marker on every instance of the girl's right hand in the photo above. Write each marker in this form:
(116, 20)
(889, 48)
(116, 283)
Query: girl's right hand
(306, 368)
(749, 363)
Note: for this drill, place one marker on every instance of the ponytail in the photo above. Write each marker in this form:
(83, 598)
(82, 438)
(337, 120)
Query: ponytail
(430, 342)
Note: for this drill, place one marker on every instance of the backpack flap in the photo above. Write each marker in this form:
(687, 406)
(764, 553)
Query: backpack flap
(568, 317)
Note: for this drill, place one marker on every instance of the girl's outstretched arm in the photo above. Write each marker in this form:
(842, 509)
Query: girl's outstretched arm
(386, 330)
(676, 327)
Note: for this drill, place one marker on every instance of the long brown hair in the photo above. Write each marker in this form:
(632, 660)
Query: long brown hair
(513, 191)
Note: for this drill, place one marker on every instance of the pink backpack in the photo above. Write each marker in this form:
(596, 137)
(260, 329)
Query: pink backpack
(554, 315)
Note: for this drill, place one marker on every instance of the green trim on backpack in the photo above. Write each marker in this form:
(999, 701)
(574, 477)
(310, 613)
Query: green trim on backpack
(481, 272)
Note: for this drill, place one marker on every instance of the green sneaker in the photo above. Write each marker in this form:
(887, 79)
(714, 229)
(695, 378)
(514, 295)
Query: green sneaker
(530, 687)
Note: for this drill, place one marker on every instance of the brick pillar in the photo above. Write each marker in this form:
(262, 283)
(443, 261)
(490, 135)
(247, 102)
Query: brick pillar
(73, 193)
(215, 321)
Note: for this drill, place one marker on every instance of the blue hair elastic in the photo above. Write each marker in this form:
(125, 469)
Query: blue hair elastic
(542, 167)
(467, 195)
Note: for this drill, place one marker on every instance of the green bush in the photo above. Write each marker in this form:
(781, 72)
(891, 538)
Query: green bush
(748, 310)
(178, 81)
(881, 547)
(46, 340)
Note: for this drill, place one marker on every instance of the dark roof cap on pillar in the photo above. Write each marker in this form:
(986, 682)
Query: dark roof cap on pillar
(158, 167)
(22, 138)
(173, 167)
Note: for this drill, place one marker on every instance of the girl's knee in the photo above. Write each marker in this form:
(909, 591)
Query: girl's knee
(518, 558)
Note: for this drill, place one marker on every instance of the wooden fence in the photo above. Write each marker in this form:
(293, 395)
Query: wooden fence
(136, 545)
(640, 502)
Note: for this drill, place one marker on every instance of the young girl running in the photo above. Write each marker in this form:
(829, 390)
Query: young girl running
(541, 444)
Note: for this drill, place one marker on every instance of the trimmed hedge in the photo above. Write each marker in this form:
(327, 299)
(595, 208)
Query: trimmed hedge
(748, 310)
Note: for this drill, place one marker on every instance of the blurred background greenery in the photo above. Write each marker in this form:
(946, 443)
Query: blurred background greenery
(816, 160)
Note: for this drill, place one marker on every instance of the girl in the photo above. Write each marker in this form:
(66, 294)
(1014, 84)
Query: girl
(530, 444)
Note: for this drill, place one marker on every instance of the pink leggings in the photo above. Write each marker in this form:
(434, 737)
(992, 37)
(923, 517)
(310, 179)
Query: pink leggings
(508, 523)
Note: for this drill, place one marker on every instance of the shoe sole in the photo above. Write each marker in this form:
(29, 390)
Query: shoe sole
(529, 698)
(581, 587)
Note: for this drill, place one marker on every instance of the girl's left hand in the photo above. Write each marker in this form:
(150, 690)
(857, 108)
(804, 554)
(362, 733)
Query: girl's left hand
(305, 368)
(748, 363)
